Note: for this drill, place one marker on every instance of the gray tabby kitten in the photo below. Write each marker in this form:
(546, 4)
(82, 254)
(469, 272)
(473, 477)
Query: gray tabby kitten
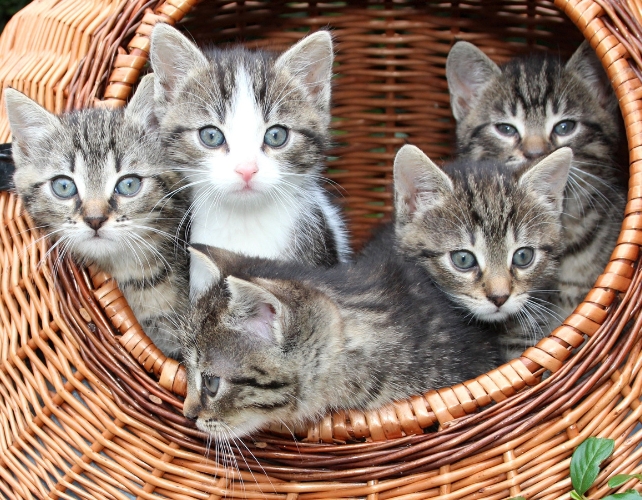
(93, 181)
(489, 235)
(279, 342)
(250, 130)
(531, 106)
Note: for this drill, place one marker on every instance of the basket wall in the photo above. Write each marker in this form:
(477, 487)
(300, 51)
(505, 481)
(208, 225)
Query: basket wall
(80, 414)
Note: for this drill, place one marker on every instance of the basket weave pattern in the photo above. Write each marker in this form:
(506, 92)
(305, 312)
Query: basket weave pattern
(89, 407)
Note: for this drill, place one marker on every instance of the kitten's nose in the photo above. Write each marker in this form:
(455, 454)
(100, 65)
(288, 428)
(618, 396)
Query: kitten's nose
(498, 300)
(95, 222)
(534, 147)
(247, 170)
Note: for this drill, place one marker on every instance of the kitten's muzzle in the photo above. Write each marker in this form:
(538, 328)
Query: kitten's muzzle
(95, 222)
(498, 300)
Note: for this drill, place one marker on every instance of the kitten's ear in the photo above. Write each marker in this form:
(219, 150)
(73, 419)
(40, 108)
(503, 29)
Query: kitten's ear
(28, 120)
(141, 106)
(173, 57)
(311, 59)
(548, 177)
(204, 255)
(468, 71)
(585, 63)
(257, 309)
(418, 181)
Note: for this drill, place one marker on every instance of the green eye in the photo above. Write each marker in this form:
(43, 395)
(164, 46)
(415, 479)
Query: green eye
(463, 259)
(128, 186)
(63, 187)
(523, 256)
(276, 136)
(211, 137)
(506, 129)
(211, 384)
(564, 127)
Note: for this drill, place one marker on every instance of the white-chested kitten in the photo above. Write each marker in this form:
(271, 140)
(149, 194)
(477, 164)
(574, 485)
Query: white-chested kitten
(93, 181)
(250, 129)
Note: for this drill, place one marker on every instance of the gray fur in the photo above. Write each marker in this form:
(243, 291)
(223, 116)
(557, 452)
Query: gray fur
(198, 88)
(291, 342)
(137, 241)
(534, 94)
(491, 210)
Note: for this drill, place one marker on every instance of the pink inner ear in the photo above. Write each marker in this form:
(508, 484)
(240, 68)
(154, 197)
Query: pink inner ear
(262, 321)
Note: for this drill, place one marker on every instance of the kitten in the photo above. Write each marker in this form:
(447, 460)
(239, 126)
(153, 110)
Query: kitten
(489, 235)
(92, 180)
(286, 342)
(531, 106)
(250, 131)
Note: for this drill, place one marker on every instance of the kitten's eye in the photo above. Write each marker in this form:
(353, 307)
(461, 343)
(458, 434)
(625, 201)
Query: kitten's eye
(463, 259)
(523, 256)
(128, 186)
(506, 129)
(276, 136)
(63, 187)
(211, 384)
(564, 127)
(211, 137)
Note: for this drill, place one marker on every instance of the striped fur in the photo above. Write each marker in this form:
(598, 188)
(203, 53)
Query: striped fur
(290, 342)
(493, 214)
(278, 208)
(535, 96)
(133, 238)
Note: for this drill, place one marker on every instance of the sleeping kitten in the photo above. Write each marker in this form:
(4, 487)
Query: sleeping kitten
(531, 106)
(92, 181)
(284, 342)
(250, 131)
(489, 235)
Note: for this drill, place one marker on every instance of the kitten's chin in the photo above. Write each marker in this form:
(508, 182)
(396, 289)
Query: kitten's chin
(217, 428)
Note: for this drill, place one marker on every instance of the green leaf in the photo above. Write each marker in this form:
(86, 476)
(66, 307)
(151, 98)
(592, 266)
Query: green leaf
(586, 460)
(627, 495)
(576, 496)
(620, 479)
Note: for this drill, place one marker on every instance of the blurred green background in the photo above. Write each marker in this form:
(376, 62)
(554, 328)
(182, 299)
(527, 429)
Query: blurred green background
(8, 8)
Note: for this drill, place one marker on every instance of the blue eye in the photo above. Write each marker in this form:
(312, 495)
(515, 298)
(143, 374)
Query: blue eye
(564, 127)
(276, 136)
(211, 137)
(506, 129)
(128, 186)
(63, 187)
(523, 256)
(463, 260)
(211, 384)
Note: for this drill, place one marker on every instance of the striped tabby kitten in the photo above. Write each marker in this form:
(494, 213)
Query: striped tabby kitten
(531, 106)
(279, 342)
(488, 234)
(92, 181)
(250, 131)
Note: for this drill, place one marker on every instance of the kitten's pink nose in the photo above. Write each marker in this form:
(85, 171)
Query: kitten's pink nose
(95, 222)
(247, 170)
(498, 300)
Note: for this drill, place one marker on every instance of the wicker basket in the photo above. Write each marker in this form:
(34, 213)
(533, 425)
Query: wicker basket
(90, 408)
